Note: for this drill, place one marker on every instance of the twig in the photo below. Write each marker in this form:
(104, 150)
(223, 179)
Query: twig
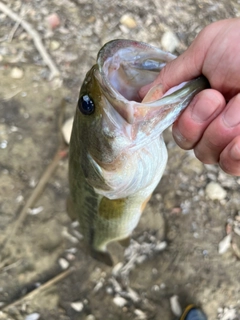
(43, 287)
(38, 190)
(13, 94)
(35, 37)
(61, 152)
(14, 29)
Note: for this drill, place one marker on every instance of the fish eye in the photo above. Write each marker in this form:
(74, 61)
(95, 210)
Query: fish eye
(86, 105)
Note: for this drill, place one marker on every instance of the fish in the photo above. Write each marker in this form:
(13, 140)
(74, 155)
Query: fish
(117, 154)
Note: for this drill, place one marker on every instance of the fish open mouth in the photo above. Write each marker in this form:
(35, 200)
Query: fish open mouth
(126, 66)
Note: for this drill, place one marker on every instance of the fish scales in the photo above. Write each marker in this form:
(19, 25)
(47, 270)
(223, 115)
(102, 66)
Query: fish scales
(117, 154)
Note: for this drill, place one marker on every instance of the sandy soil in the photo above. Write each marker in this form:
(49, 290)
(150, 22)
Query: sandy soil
(45, 272)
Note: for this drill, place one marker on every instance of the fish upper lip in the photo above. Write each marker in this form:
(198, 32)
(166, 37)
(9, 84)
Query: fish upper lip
(131, 116)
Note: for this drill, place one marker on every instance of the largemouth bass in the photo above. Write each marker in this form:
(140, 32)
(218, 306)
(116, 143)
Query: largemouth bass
(117, 154)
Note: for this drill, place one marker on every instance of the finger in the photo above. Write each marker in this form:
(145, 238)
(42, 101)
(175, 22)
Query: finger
(185, 67)
(203, 109)
(174, 73)
(230, 157)
(219, 133)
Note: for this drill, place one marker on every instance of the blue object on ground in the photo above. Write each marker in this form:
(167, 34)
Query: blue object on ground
(193, 313)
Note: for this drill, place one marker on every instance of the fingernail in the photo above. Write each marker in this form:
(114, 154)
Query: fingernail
(231, 116)
(144, 90)
(235, 152)
(201, 113)
(178, 136)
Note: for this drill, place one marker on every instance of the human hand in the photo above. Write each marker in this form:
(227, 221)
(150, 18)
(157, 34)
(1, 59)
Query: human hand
(211, 123)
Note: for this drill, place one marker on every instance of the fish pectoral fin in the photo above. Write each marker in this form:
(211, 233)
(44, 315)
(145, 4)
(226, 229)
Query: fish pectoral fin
(125, 242)
(102, 256)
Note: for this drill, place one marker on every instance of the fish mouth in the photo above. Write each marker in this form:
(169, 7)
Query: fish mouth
(125, 66)
(128, 65)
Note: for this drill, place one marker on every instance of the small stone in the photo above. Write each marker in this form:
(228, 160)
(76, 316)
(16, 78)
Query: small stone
(140, 314)
(54, 45)
(116, 269)
(53, 21)
(35, 211)
(169, 41)
(160, 246)
(225, 244)
(162, 285)
(3, 144)
(155, 288)
(119, 301)
(175, 306)
(70, 257)
(16, 73)
(64, 264)
(77, 306)
(215, 192)
(90, 317)
(109, 290)
(133, 295)
(98, 286)
(154, 271)
(141, 259)
(33, 316)
(67, 130)
(128, 21)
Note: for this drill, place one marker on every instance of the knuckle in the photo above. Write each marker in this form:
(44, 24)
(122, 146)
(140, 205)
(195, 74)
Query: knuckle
(205, 157)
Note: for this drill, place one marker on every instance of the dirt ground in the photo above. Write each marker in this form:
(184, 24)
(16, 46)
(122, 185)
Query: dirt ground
(45, 272)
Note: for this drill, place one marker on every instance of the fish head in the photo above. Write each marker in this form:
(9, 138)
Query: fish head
(111, 120)
(99, 125)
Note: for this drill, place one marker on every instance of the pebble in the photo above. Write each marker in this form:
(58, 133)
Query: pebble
(133, 295)
(53, 21)
(227, 314)
(16, 73)
(162, 285)
(64, 264)
(35, 211)
(90, 317)
(116, 269)
(225, 244)
(175, 306)
(54, 45)
(119, 301)
(68, 236)
(215, 192)
(140, 314)
(98, 286)
(77, 306)
(161, 246)
(154, 271)
(155, 288)
(33, 316)
(128, 21)
(67, 130)
(169, 41)
(3, 144)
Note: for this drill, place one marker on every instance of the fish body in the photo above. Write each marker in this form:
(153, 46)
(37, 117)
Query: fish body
(117, 154)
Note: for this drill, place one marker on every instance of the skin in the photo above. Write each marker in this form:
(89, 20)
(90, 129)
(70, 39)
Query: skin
(211, 123)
